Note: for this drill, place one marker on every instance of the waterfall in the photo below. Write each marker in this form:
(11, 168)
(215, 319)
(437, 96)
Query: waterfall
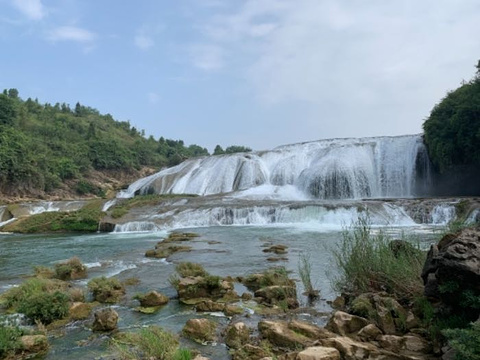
(380, 167)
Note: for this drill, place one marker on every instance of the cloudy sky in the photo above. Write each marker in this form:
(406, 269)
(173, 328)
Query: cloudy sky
(259, 73)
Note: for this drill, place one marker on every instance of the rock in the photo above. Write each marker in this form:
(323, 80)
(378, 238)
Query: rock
(355, 350)
(231, 310)
(309, 330)
(200, 330)
(411, 322)
(106, 227)
(246, 296)
(417, 344)
(105, 320)
(319, 353)
(152, 299)
(237, 335)
(339, 303)
(279, 334)
(200, 287)
(276, 293)
(343, 324)
(250, 352)
(369, 332)
(407, 343)
(210, 306)
(34, 343)
(200, 357)
(276, 249)
(454, 266)
(80, 311)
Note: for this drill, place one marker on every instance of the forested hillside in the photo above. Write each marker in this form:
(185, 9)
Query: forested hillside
(54, 149)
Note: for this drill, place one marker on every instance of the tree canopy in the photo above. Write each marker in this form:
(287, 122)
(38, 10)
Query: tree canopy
(452, 131)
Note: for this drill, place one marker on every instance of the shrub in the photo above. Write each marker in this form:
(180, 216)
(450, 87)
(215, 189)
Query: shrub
(45, 307)
(466, 342)
(185, 269)
(106, 290)
(149, 343)
(9, 340)
(368, 263)
(30, 288)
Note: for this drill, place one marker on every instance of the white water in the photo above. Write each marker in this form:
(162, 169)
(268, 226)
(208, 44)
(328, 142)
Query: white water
(442, 214)
(137, 226)
(326, 169)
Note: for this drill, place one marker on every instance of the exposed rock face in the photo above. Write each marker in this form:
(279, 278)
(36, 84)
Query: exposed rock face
(34, 343)
(105, 320)
(452, 270)
(200, 330)
(153, 298)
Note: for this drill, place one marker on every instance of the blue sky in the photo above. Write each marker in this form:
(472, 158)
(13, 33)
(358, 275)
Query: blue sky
(259, 73)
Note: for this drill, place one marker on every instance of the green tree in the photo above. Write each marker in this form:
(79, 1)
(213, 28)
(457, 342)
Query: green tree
(218, 150)
(7, 110)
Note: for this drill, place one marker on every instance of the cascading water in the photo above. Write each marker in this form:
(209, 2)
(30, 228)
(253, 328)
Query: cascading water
(327, 169)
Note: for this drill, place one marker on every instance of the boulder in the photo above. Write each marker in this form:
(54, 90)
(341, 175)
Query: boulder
(309, 330)
(152, 299)
(237, 335)
(369, 333)
(105, 320)
(200, 287)
(200, 330)
(407, 343)
(452, 270)
(250, 352)
(279, 334)
(80, 311)
(210, 306)
(34, 343)
(343, 324)
(319, 353)
(275, 294)
(355, 350)
(231, 310)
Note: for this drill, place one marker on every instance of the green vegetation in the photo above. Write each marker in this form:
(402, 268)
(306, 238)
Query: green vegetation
(230, 149)
(452, 131)
(305, 272)
(466, 342)
(369, 263)
(72, 269)
(185, 269)
(44, 147)
(39, 299)
(149, 343)
(83, 220)
(106, 290)
(10, 341)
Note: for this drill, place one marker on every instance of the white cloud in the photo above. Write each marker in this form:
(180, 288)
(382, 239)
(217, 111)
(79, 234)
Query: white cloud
(71, 33)
(33, 9)
(207, 57)
(143, 42)
(153, 98)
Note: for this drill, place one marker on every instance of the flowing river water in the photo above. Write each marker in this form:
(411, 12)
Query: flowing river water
(222, 250)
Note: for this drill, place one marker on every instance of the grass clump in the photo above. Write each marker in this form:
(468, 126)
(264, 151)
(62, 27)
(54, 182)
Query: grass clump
(72, 269)
(305, 272)
(149, 343)
(122, 207)
(185, 269)
(369, 263)
(106, 290)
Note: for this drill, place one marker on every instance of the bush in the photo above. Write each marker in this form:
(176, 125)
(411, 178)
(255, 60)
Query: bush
(466, 342)
(369, 263)
(9, 340)
(106, 290)
(30, 288)
(149, 343)
(185, 269)
(45, 307)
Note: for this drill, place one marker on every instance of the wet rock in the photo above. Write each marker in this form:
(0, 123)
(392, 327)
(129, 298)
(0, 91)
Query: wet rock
(276, 249)
(354, 350)
(105, 320)
(152, 299)
(80, 311)
(200, 330)
(338, 303)
(319, 353)
(199, 287)
(246, 296)
(343, 324)
(210, 306)
(452, 270)
(231, 310)
(34, 343)
(237, 335)
(275, 294)
(250, 352)
(309, 330)
(106, 227)
(200, 357)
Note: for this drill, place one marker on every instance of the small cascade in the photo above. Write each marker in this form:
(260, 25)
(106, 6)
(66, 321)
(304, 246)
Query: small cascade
(14, 320)
(136, 226)
(474, 217)
(443, 214)
(327, 169)
(109, 204)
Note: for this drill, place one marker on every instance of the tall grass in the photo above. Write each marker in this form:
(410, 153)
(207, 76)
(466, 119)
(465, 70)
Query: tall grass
(305, 272)
(368, 262)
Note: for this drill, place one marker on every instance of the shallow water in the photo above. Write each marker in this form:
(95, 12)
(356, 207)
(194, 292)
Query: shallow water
(229, 250)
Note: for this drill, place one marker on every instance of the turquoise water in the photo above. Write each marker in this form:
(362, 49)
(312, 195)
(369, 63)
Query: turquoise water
(235, 251)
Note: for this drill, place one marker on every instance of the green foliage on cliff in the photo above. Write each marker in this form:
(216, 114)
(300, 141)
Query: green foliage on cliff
(44, 145)
(452, 132)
